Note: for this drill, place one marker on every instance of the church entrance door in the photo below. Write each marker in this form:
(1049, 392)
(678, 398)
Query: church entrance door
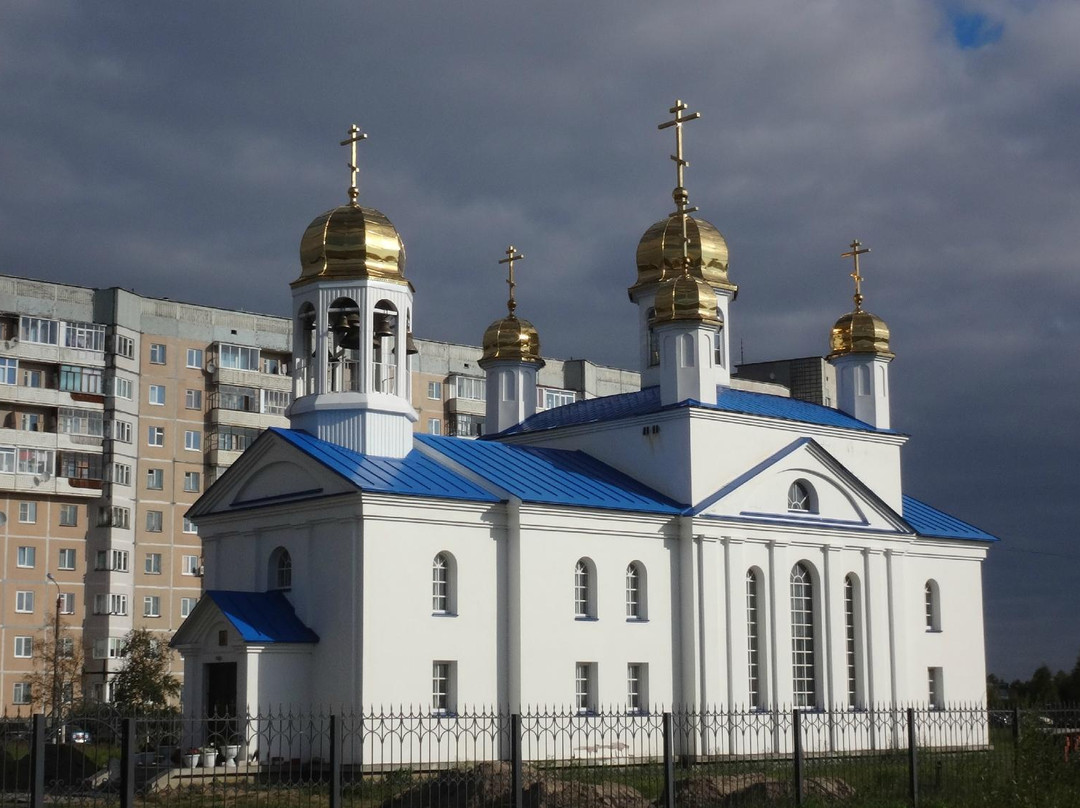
(221, 701)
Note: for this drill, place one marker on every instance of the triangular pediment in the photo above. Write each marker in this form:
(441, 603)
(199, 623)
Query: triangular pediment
(270, 472)
(835, 497)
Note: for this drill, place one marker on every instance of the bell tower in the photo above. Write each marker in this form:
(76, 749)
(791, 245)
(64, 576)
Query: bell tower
(352, 329)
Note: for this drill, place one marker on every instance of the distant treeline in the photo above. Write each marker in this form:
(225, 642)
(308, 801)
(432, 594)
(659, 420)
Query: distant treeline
(1044, 687)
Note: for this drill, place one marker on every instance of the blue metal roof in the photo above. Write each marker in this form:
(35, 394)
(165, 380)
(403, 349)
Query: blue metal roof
(929, 521)
(263, 617)
(415, 474)
(552, 476)
(647, 401)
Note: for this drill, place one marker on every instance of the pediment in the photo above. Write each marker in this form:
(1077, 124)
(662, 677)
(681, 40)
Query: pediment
(272, 471)
(835, 497)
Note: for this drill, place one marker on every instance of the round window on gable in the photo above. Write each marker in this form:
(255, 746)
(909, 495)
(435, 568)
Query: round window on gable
(801, 497)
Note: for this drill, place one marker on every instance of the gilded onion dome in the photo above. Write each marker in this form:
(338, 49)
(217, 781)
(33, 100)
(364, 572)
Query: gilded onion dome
(512, 338)
(351, 242)
(685, 298)
(660, 253)
(859, 332)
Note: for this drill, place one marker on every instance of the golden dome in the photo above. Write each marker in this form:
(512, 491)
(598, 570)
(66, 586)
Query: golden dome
(351, 242)
(660, 256)
(685, 298)
(512, 338)
(859, 332)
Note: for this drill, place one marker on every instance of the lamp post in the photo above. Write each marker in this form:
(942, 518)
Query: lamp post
(56, 649)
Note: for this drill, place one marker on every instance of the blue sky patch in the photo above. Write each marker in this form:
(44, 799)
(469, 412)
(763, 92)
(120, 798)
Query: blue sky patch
(973, 29)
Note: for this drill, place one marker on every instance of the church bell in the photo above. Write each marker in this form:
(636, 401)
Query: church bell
(383, 325)
(347, 330)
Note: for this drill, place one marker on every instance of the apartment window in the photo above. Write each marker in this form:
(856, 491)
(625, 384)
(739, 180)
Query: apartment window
(24, 647)
(637, 697)
(67, 604)
(153, 564)
(110, 604)
(469, 387)
(88, 336)
(239, 357)
(151, 606)
(274, 366)
(7, 459)
(35, 461)
(121, 474)
(434, 426)
(193, 400)
(20, 694)
(189, 565)
(116, 516)
(27, 557)
(153, 521)
(155, 436)
(79, 466)
(194, 358)
(109, 648)
(191, 481)
(236, 438)
(275, 402)
(193, 440)
(467, 426)
(69, 515)
(122, 388)
(33, 378)
(932, 597)
(116, 560)
(66, 559)
(155, 479)
(41, 331)
(237, 399)
(442, 688)
(9, 370)
(120, 430)
(434, 390)
(31, 422)
(189, 526)
(186, 605)
(24, 602)
(281, 569)
(73, 421)
(635, 591)
(935, 693)
(584, 595)
(124, 346)
(75, 379)
(548, 397)
(804, 664)
(28, 512)
(585, 687)
(753, 638)
(157, 394)
(157, 354)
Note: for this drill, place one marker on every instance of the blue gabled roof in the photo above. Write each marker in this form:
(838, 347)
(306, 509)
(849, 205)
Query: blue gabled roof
(552, 476)
(263, 617)
(647, 401)
(414, 474)
(929, 521)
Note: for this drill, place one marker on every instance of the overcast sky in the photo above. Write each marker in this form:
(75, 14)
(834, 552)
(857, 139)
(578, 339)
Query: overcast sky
(181, 149)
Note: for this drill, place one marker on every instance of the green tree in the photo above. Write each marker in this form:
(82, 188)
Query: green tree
(145, 681)
(57, 669)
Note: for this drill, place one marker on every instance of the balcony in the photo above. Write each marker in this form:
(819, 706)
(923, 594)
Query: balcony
(54, 354)
(251, 378)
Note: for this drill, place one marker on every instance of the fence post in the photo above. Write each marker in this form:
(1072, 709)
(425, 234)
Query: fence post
(335, 762)
(515, 760)
(669, 762)
(37, 762)
(127, 763)
(913, 758)
(796, 724)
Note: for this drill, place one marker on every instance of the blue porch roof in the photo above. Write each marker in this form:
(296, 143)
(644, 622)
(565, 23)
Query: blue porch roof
(262, 617)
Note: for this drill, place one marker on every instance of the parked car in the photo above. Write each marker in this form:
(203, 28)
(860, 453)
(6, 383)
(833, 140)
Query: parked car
(76, 735)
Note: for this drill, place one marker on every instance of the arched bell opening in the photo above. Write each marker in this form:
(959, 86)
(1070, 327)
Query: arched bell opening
(343, 326)
(305, 370)
(385, 339)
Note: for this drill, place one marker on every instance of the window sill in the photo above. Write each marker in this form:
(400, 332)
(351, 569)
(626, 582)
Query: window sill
(444, 614)
(584, 618)
(933, 631)
(637, 620)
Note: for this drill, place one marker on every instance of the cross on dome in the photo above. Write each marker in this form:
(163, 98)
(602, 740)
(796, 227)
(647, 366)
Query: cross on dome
(854, 254)
(355, 136)
(682, 198)
(512, 255)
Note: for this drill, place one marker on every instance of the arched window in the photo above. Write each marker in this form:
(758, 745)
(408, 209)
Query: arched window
(933, 606)
(800, 497)
(280, 569)
(442, 588)
(584, 589)
(635, 591)
(851, 648)
(804, 664)
(753, 638)
(654, 341)
(688, 349)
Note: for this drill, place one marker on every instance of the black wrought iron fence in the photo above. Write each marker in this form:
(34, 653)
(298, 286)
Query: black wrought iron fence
(959, 756)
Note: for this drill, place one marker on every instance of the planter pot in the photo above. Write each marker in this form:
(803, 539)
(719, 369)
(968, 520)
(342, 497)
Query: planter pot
(191, 761)
(209, 758)
(229, 753)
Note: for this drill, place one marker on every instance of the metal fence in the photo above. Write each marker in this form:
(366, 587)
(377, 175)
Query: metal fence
(959, 756)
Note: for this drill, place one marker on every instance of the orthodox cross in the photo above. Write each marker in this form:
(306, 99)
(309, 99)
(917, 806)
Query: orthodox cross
(355, 136)
(512, 255)
(682, 198)
(854, 254)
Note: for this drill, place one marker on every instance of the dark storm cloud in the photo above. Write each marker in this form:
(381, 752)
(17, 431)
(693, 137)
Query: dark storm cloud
(181, 150)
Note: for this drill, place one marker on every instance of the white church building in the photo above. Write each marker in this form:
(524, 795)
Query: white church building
(694, 543)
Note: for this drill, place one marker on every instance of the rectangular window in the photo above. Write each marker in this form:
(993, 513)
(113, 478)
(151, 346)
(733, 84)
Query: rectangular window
(116, 560)
(434, 426)
(191, 481)
(442, 688)
(151, 606)
(467, 426)
(157, 354)
(548, 397)
(193, 440)
(24, 647)
(110, 604)
(434, 390)
(155, 479)
(27, 557)
(31, 422)
(193, 400)
(186, 605)
(9, 370)
(637, 696)
(153, 521)
(116, 516)
(88, 336)
(153, 563)
(7, 459)
(35, 461)
(935, 694)
(79, 466)
(155, 436)
(67, 603)
(24, 602)
(237, 399)
(469, 387)
(236, 438)
(75, 379)
(122, 388)
(275, 366)
(28, 512)
(121, 474)
(33, 378)
(109, 648)
(120, 430)
(66, 559)
(194, 358)
(190, 565)
(585, 687)
(20, 694)
(189, 526)
(239, 357)
(157, 395)
(124, 346)
(73, 421)
(36, 329)
(275, 402)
